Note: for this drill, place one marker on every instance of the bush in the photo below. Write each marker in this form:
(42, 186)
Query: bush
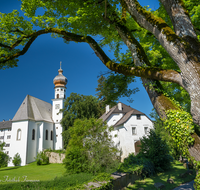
(156, 150)
(90, 148)
(42, 158)
(16, 160)
(138, 165)
(4, 158)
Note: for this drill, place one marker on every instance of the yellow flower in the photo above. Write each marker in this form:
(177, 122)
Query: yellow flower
(178, 120)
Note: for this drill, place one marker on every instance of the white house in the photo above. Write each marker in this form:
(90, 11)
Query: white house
(129, 126)
(36, 125)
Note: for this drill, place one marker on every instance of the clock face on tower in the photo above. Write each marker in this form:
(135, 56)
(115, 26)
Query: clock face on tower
(57, 106)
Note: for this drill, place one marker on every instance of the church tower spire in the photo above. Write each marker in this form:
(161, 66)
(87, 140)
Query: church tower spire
(60, 82)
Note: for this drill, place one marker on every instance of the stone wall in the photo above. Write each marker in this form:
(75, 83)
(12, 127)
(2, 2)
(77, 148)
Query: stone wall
(55, 157)
(120, 181)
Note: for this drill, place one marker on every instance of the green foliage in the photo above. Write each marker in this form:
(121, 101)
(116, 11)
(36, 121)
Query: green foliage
(173, 173)
(4, 158)
(156, 150)
(78, 106)
(61, 151)
(42, 158)
(90, 148)
(16, 160)
(58, 183)
(137, 164)
(180, 126)
(164, 134)
(111, 88)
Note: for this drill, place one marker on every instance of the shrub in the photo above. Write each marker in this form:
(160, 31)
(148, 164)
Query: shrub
(4, 158)
(42, 159)
(156, 150)
(137, 164)
(90, 148)
(16, 160)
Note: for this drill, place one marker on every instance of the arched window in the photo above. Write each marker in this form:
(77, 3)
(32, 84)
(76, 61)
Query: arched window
(33, 134)
(19, 134)
(57, 95)
(51, 135)
(46, 134)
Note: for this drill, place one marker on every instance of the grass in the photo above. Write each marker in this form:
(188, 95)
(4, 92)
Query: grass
(40, 177)
(173, 173)
(32, 171)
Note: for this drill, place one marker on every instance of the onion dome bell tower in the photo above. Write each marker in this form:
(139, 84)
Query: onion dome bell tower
(60, 82)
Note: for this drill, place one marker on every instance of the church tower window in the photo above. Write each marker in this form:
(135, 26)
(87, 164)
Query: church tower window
(57, 95)
(33, 134)
(46, 135)
(19, 134)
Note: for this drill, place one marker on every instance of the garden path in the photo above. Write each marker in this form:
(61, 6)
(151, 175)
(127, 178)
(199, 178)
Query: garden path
(186, 186)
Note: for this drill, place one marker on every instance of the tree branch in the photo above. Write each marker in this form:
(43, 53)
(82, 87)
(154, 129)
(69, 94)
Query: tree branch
(152, 73)
(180, 18)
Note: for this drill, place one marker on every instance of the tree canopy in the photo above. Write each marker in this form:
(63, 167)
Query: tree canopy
(78, 106)
(162, 46)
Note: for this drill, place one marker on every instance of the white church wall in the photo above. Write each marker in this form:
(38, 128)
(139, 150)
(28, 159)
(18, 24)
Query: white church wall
(47, 141)
(19, 141)
(57, 117)
(58, 136)
(32, 142)
(40, 134)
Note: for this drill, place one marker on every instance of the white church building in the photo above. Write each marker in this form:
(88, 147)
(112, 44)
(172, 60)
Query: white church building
(36, 125)
(129, 126)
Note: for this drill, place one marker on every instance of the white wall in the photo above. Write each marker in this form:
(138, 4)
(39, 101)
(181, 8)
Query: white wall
(32, 144)
(125, 140)
(19, 146)
(5, 133)
(47, 143)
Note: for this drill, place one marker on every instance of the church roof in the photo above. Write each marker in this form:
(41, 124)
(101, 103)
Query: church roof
(34, 109)
(5, 124)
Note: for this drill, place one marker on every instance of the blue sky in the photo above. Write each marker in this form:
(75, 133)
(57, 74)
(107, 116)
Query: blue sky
(38, 67)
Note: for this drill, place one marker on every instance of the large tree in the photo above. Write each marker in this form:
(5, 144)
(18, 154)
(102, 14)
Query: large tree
(78, 106)
(173, 28)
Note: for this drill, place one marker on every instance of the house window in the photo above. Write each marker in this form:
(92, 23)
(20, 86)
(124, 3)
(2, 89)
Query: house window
(1, 137)
(33, 134)
(133, 130)
(9, 129)
(19, 134)
(7, 145)
(7, 152)
(51, 135)
(1, 130)
(138, 116)
(8, 136)
(46, 135)
(145, 130)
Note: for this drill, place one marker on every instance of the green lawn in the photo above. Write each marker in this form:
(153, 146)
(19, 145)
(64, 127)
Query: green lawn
(173, 173)
(32, 171)
(43, 177)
